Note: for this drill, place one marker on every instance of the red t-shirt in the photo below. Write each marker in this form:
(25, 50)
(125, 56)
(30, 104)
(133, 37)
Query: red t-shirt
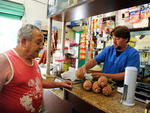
(23, 93)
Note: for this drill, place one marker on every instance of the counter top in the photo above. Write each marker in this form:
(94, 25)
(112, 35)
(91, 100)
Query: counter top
(108, 104)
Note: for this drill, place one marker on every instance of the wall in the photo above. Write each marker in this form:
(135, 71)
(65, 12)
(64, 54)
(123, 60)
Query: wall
(36, 10)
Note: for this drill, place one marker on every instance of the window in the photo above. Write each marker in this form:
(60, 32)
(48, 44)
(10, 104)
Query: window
(8, 33)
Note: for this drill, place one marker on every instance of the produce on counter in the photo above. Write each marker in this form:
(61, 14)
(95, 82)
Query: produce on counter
(107, 90)
(96, 88)
(80, 73)
(104, 85)
(102, 81)
(112, 83)
(87, 85)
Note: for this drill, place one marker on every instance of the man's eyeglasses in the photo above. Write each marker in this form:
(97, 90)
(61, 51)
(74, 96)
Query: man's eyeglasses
(115, 38)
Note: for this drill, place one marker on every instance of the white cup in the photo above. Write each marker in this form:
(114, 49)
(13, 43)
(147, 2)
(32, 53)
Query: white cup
(129, 86)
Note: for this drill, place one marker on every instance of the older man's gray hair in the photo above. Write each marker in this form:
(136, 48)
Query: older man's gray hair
(26, 32)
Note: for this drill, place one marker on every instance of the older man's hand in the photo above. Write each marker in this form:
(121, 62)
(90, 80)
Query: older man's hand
(67, 84)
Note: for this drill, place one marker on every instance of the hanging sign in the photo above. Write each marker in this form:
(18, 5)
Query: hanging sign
(134, 14)
(83, 46)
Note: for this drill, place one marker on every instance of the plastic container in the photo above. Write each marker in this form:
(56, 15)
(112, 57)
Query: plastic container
(129, 86)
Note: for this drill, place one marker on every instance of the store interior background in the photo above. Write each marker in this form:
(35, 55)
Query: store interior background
(36, 11)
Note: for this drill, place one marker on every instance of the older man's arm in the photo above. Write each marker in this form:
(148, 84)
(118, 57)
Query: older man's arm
(52, 84)
(5, 70)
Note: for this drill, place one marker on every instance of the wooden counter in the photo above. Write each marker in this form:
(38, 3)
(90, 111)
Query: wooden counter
(89, 102)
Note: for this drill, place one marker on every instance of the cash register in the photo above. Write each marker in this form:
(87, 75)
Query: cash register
(142, 92)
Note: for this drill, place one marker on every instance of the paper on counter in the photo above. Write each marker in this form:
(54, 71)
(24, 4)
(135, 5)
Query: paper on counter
(88, 76)
(69, 74)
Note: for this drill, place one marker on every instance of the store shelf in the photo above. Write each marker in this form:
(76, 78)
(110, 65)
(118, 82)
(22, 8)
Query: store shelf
(144, 51)
(58, 15)
(140, 29)
(142, 32)
(95, 7)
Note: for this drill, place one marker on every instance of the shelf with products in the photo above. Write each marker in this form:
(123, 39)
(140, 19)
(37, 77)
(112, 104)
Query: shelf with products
(141, 31)
(144, 57)
(144, 50)
(94, 7)
(45, 33)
